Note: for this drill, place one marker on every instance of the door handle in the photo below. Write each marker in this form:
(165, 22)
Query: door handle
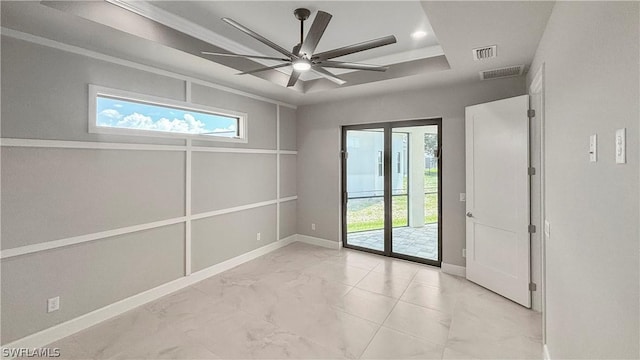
(469, 214)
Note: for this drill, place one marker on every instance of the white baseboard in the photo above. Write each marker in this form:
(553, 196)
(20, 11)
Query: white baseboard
(319, 242)
(95, 317)
(545, 351)
(454, 269)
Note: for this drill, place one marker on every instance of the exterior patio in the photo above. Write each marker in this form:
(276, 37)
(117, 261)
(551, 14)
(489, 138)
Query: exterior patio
(420, 242)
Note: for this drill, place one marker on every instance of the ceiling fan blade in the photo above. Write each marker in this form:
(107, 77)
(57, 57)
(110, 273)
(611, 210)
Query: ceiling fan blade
(319, 70)
(259, 37)
(315, 33)
(244, 56)
(354, 66)
(263, 69)
(346, 50)
(293, 78)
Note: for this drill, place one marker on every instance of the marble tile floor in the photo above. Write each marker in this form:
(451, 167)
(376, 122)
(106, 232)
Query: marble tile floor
(420, 242)
(308, 302)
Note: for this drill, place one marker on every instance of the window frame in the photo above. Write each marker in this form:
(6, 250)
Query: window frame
(97, 90)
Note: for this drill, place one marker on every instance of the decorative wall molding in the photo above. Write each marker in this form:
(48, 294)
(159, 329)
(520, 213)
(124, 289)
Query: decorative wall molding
(65, 144)
(49, 245)
(233, 209)
(278, 172)
(187, 206)
(55, 244)
(233, 150)
(290, 198)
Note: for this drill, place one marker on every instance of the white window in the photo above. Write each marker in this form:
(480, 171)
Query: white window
(121, 112)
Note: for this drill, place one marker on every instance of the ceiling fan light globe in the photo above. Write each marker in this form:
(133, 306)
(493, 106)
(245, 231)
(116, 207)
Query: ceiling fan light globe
(301, 65)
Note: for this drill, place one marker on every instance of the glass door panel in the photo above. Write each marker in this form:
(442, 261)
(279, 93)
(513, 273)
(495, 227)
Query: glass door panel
(391, 184)
(364, 174)
(399, 179)
(415, 192)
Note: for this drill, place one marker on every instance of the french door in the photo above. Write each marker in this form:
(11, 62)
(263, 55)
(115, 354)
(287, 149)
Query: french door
(391, 189)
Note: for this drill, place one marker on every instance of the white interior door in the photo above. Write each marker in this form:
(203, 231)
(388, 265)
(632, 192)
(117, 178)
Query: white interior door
(497, 162)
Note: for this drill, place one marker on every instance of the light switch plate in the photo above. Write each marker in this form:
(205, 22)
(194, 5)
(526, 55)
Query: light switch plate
(593, 148)
(547, 228)
(621, 145)
(463, 197)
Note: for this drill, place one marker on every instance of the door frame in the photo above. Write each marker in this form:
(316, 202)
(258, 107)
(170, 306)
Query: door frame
(388, 228)
(537, 86)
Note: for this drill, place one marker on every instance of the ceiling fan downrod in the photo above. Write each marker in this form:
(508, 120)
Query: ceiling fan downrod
(301, 14)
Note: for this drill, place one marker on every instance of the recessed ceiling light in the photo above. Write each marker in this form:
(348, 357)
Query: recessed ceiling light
(419, 34)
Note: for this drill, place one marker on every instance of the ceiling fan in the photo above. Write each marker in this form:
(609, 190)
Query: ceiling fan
(302, 57)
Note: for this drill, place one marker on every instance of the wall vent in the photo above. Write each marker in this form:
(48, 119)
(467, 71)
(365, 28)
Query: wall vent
(486, 52)
(504, 72)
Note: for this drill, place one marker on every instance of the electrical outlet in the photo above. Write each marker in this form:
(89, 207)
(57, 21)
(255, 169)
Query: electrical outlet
(258, 237)
(53, 304)
(463, 197)
(464, 253)
(313, 226)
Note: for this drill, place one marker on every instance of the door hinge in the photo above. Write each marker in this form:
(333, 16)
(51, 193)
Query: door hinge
(345, 197)
(532, 286)
(532, 228)
(345, 154)
(531, 171)
(531, 113)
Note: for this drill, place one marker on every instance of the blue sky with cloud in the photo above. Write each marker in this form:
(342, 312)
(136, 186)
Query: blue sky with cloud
(131, 115)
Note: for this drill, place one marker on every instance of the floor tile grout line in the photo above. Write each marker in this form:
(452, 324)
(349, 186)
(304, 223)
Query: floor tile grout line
(369, 272)
(414, 336)
(443, 346)
(385, 319)
(378, 329)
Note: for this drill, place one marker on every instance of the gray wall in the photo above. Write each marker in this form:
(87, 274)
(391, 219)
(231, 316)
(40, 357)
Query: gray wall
(591, 54)
(70, 192)
(52, 194)
(223, 180)
(288, 223)
(223, 237)
(319, 151)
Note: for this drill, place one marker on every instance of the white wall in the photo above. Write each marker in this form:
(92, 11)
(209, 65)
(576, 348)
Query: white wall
(591, 56)
(319, 151)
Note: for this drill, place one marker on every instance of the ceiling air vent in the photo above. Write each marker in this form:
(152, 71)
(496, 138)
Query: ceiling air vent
(502, 72)
(487, 52)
